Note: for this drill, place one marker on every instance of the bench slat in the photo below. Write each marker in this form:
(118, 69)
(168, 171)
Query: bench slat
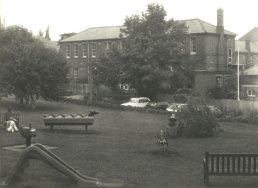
(217, 164)
(212, 163)
(223, 164)
(254, 167)
(233, 164)
(238, 164)
(229, 165)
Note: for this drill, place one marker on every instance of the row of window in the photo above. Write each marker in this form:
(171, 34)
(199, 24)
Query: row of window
(193, 45)
(89, 49)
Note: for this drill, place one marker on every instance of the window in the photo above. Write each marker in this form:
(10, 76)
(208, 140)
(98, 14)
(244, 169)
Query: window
(93, 49)
(76, 51)
(251, 93)
(230, 55)
(192, 45)
(67, 51)
(85, 51)
(108, 47)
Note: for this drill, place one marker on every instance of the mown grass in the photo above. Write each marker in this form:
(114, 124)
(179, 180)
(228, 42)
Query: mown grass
(121, 146)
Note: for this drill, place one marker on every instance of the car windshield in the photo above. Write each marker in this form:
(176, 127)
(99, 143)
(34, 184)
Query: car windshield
(143, 100)
(139, 100)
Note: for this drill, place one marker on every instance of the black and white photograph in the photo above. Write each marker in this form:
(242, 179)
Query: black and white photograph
(128, 94)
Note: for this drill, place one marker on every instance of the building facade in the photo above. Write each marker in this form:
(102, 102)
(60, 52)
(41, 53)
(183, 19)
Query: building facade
(82, 50)
(210, 47)
(249, 84)
(247, 46)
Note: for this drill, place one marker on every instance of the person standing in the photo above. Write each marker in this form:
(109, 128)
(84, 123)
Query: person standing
(10, 122)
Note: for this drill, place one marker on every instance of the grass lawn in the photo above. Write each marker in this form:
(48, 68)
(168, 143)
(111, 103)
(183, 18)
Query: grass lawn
(121, 146)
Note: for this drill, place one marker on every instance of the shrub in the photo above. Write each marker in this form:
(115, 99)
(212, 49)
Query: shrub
(180, 98)
(197, 122)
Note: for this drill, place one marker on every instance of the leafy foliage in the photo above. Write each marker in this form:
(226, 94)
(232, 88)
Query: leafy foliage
(152, 59)
(152, 51)
(228, 91)
(197, 122)
(28, 68)
(108, 70)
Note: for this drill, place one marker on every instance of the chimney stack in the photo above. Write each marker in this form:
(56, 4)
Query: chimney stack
(221, 41)
(220, 20)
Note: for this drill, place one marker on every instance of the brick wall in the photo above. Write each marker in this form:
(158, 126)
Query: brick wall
(79, 65)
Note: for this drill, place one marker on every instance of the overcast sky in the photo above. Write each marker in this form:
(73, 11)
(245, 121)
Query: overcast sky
(64, 16)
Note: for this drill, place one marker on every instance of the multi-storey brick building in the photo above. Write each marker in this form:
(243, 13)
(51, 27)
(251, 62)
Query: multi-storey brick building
(82, 50)
(211, 47)
(248, 49)
(247, 46)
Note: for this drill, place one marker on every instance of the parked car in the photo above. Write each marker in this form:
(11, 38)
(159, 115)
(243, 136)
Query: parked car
(159, 105)
(176, 107)
(73, 97)
(140, 102)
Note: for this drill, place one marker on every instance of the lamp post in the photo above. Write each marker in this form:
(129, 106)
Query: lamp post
(238, 73)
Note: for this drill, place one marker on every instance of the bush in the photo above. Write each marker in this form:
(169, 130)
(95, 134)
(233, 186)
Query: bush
(181, 98)
(196, 122)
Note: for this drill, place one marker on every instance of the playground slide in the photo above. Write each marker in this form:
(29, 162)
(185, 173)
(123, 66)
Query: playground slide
(40, 152)
(48, 152)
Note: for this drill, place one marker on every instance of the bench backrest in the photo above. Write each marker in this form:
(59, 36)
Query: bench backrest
(15, 115)
(231, 164)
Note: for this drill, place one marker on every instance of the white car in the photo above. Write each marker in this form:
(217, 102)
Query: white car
(176, 107)
(73, 97)
(140, 102)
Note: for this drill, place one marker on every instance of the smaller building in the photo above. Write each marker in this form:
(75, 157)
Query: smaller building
(249, 84)
(248, 50)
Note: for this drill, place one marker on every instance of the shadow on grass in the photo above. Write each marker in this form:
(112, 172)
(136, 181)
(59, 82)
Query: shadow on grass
(42, 106)
(69, 131)
(167, 152)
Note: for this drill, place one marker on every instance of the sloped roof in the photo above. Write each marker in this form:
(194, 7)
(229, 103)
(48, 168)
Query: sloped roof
(96, 33)
(242, 47)
(251, 35)
(251, 70)
(196, 26)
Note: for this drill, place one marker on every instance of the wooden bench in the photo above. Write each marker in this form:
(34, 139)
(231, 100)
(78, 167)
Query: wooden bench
(243, 164)
(14, 115)
(68, 120)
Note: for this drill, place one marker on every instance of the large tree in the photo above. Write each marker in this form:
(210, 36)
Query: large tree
(28, 68)
(153, 52)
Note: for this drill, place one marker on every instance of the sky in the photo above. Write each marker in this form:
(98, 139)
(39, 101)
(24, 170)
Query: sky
(66, 16)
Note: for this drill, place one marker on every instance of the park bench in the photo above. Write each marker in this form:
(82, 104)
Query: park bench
(14, 115)
(70, 120)
(243, 164)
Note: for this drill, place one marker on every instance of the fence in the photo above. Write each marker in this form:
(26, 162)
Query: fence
(228, 105)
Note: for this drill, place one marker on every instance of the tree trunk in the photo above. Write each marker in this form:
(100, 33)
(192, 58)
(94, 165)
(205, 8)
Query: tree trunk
(33, 101)
(21, 101)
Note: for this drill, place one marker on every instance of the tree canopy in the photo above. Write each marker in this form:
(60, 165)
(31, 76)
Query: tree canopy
(153, 51)
(28, 68)
(152, 58)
